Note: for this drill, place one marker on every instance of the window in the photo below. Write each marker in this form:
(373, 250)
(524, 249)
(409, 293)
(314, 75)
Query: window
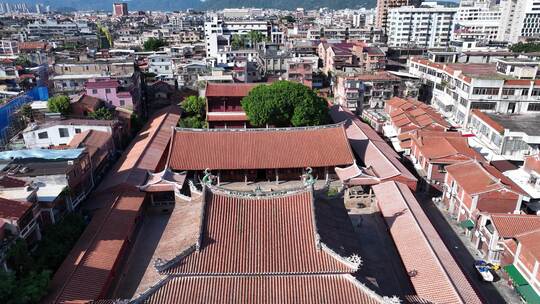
(63, 132)
(533, 107)
(107, 91)
(485, 91)
(43, 135)
(508, 92)
(483, 105)
(77, 131)
(535, 92)
(94, 91)
(122, 102)
(524, 92)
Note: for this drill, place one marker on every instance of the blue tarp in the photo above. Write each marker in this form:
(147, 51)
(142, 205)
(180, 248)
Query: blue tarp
(7, 109)
(41, 154)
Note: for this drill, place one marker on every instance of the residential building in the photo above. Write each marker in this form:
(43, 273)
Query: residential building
(383, 6)
(300, 70)
(478, 20)
(9, 47)
(51, 172)
(37, 52)
(520, 19)
(111, 93)
(425, 26)
(341, 56)
(407, 115)
(511, 137)
(495, 231)
(432, 151)
(218, 33)
(71, 76)
(55, 28)
(527, 177)
(357, 92)
(472, 187)
(521, 258)
(223, 107)
(60, 133)
(161, 65)
(100, 147)
(507, 86)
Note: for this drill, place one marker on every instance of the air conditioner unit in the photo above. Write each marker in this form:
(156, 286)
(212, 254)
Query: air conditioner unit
(505, 97)
(490, 97)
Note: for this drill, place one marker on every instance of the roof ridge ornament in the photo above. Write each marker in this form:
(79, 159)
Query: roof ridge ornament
(310, 180)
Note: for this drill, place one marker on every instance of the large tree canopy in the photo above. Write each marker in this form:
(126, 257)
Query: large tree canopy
(59, 104)
(284, 104)
(153, 44)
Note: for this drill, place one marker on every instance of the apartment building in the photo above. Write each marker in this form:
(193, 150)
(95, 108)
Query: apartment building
(527, 177)
(71, 76)
(519, 19)
(300, 70)
(383, 6)
(9, 47)
(427, 26)
(510, 136)
(218, 33)
(508, 86)
(478, 20)
(360, 91)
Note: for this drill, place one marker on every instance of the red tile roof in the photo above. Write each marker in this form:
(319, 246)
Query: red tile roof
(87, 272)
(329, 289)
(446, 149)
(11, 182)
(372, 150)
(33, 45)
(511, 225)
(485, 118)
(229, 89)
(102, 84)
(257, 241)
(13, 210)
(437, 278)
(478, 177)
(260, 148)
(529, 242)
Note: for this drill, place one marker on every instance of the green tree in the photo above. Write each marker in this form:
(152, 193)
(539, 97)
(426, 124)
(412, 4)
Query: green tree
(26, 111)
(195, 122)
(284, 104)
(255, 37)
(238, 41)
(23, 61)
(153, 44)
(527, 47)
(289, 19)
(19, 258)
(102, 113)
(32, 287)
(59, 104)
(194, 105)
(8, 285)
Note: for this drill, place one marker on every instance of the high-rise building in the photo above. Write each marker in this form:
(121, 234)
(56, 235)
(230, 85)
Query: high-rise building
(426, 26)
(382, 10)
(520, 18)
(120, 9)
(477, 20)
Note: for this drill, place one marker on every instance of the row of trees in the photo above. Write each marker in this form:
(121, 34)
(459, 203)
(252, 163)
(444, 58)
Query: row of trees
(528, 47)
(28, 281)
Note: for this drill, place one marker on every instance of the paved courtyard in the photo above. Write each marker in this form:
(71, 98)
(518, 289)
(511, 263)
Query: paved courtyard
(382, 269)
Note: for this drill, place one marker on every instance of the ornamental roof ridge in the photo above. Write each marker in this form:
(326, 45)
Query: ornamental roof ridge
(246, 130)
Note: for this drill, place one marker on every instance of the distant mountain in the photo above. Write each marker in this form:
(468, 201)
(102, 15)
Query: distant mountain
(170, 5)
